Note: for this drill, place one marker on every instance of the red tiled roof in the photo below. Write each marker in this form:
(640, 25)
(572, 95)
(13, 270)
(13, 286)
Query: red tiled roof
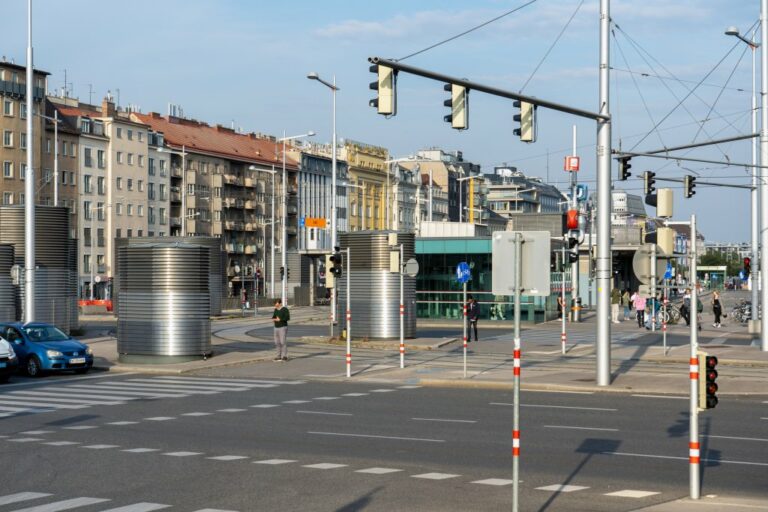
(215, 140)
(76, 111)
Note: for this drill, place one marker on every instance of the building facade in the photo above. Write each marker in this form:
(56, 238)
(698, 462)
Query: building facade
(369, 183)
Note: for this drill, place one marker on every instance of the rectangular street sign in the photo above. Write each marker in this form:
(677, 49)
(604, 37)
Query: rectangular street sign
(314, 222)
(535, 278)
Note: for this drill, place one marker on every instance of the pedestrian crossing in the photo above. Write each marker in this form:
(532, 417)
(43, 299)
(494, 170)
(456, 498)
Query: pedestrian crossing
(46, 502)
(92, 393)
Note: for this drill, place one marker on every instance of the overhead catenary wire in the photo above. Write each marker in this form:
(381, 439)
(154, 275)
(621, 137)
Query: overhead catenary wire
(485, 23)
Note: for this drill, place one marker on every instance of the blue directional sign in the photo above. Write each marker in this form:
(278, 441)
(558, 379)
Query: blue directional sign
(742, 275)
(463, 273)
(302, 222)
(582, 193)
(668, 273)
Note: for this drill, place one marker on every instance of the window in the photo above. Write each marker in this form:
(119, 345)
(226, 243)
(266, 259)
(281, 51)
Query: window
(216, 191)
(190, 189)
(217, 215)
(151, 168)
(87, 157)
(100, 215)
(21, 198)
(64, 178)
(130, 233)
(163, 217)
(100, 159)
(141, 186)
(119, 133)
(100, 237)
(130, 158)
(48, 146)
(87, 213)
(72, 150)
(85, 125)
(130, 183)
(118, 233)
(119, 157)
(163, 193)
(141, 160)
(87, 186)
(23, 140)
(63, 148)
(130, 210)
(7, 169)
(23, 111)
(141, 233)
(71, 177)
(47, 175)
(7, 197)
(151, 214)
(140, 135)
(86, 263)
(100, 185)
(8, 108)
(119, 208)
(8, 138)
(100, 262)
(151, 191)
(23, 173)
(162, 167)
(119, 183)
(130, 134)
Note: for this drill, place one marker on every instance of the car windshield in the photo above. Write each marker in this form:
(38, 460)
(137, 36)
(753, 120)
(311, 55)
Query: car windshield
(43, 333)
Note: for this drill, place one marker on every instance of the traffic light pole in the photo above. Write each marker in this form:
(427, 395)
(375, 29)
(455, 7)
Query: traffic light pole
(693, 427)
(464, 295)
(665, 316)
(349, 318)
(653, 287)
(575, 297)
(516, 376)
(563, 334)
(764, 175)
(402, 312)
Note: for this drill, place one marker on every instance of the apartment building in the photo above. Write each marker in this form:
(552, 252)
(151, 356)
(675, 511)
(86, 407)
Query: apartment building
(61, 163)
(369, 184)
(13, 131)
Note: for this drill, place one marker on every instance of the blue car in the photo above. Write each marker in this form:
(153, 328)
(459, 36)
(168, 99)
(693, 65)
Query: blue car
(44, 348)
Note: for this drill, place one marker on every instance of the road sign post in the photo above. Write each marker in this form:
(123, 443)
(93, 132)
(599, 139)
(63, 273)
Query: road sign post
(349, 317)
(563, 334)
(518, 265)
(694, 452)
(464, 274)
(653, 287)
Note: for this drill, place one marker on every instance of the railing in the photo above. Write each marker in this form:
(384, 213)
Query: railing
(176, 171)
(175, 221)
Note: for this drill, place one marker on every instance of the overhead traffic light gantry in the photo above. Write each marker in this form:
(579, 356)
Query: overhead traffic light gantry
(386, 87)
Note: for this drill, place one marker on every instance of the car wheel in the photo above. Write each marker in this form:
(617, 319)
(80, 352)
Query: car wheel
(34, 369)
(82, 371)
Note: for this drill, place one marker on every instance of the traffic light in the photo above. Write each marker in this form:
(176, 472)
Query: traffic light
(288, 273)
(572, 219)
(385, 85)
(337, 261)
(258, 273)
(555, 265)
(527, 120)
(689, 183)
(459, 105)
(282, 273)
(747, 266)
(573, 245)
(707, 385)
(573, 254)
(649, 180)
(624, 167)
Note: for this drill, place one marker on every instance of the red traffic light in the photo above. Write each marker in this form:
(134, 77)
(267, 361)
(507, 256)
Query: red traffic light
(747, 261)
(572, 219)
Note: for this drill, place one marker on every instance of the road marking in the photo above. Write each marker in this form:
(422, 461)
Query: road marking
(382, 390)
(138, 507)
(736, 438)
(444, 420)
(663, 396)
(122, 423)
(629, 493)
(326, 398)
(25, 440)
(378, 471)
(235, 381)
(561, 392)
(559, 407)
(201, 386)
(562, 488)
(378, 437)
(435, 476)
(273, 461)
(21, 496)
(265, 406)
(231, 410)
(63, 505)
(36, 432)
(182, 454)
(100, 446)
(408, 387)
(233, 386)
(214, 510)
(69, 379)
(228, 457)
(494, 481)
(670, 457)
(197, 414)
(141, 450)
(328, 413)
(325, 465)
(66, 397)
(355, 394)
(61, 443)
(160, 418)
(120, 394)
(296, 402)
(80, 427)
(583, 428)
(32, 403)
(168, 388)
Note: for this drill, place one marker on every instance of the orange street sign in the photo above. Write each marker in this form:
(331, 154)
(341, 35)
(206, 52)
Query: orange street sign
(314, 222)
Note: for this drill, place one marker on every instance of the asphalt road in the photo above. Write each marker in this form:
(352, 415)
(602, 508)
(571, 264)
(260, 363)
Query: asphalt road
(227, 444)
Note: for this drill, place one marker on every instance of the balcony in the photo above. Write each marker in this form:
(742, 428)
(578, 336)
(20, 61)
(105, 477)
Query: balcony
(175, 197)
(175, 221)
(176, 171)
(250, 182)
(250, 249)
(234, 225)
(250, 204)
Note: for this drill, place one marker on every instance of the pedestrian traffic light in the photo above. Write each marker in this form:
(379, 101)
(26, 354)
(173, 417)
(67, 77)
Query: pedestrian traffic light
(649, 180)
(573, 238)
(527, 120)
(459, 105)
(624, 167)
(555, 265)
(573, 254)
(282, 273)
(288, 273)
(385, 85)
(747, 266)
(337, 262)
(572, 219)
(689, 183)
(707, 385)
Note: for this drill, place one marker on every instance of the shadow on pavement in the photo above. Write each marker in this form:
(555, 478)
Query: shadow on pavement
(360, 503)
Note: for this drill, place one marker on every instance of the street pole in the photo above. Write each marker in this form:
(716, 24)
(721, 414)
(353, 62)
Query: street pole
(334, 192)
(575, 298)
(183, 190)
(603, 270)
(464, 298)
(272, 239)
(349, 317)
(55, 157)
(764, 174)
(430, 196)
(284, 242)
(693, 428)
(29, 185)
(402, 311)
(242, 283)
(755, 193)
(461, 205)
(516, 371)
(653, 287)
(563, 334)
(93, 255)
(665, 316)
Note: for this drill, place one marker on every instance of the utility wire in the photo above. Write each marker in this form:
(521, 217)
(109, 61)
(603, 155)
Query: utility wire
(680, 80)
(553, 45)
(468, 31)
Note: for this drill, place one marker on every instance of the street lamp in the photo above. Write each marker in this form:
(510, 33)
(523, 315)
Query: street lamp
(271, 229)
(183, 154)
(284, 242)
(755, 194)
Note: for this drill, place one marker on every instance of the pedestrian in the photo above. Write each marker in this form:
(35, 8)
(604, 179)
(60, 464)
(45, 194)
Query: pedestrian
(615, 303)
(560, 306)
(685, 309)
(280, 317)
(717, 308)
(473, 313)
(639, 302)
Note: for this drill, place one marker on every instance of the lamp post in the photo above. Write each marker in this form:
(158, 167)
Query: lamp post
(755, 194)
(183, 154)
(284, 242)
(271, 229)
(29, 185)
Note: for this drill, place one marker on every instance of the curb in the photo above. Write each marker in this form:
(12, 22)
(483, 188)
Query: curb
(164, 369)
(375, 345)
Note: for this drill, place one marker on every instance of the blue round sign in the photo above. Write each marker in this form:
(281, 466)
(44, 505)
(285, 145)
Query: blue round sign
(463, 273)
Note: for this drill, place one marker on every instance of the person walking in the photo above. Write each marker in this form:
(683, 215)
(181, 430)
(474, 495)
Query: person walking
(280, 317)
(626, 303)
(615, 303)
(685, 309)
(717, 308)
(639, 302)
(473, 313)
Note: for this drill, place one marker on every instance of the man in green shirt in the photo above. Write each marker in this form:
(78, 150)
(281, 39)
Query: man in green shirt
(280, 317)
(615, 302)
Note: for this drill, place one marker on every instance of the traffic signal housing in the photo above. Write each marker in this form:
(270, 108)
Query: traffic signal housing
(649, 182)
(282, 273)
(385, 85)
(747, 266)
(624, 167)
(337, 262)
(527, 120)
(459, 105)
(707, 385)
(689, 184)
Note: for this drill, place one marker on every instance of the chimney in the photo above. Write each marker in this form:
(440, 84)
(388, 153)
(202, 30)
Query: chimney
(108, 108)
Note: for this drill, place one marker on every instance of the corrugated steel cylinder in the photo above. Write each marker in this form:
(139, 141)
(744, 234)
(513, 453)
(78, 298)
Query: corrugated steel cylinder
(164, 302)
(74, 317)
(7, 293)
(53, 299)
(217, 277)
(374, 290)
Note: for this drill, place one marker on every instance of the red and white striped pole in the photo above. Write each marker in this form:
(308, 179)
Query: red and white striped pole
(693, 428)
(563, 340)
(516, 374)
(402, 312)
(465, 328)
(349, 317)
(665, 316)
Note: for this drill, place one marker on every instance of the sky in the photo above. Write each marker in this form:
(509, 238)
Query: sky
(676, 78)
